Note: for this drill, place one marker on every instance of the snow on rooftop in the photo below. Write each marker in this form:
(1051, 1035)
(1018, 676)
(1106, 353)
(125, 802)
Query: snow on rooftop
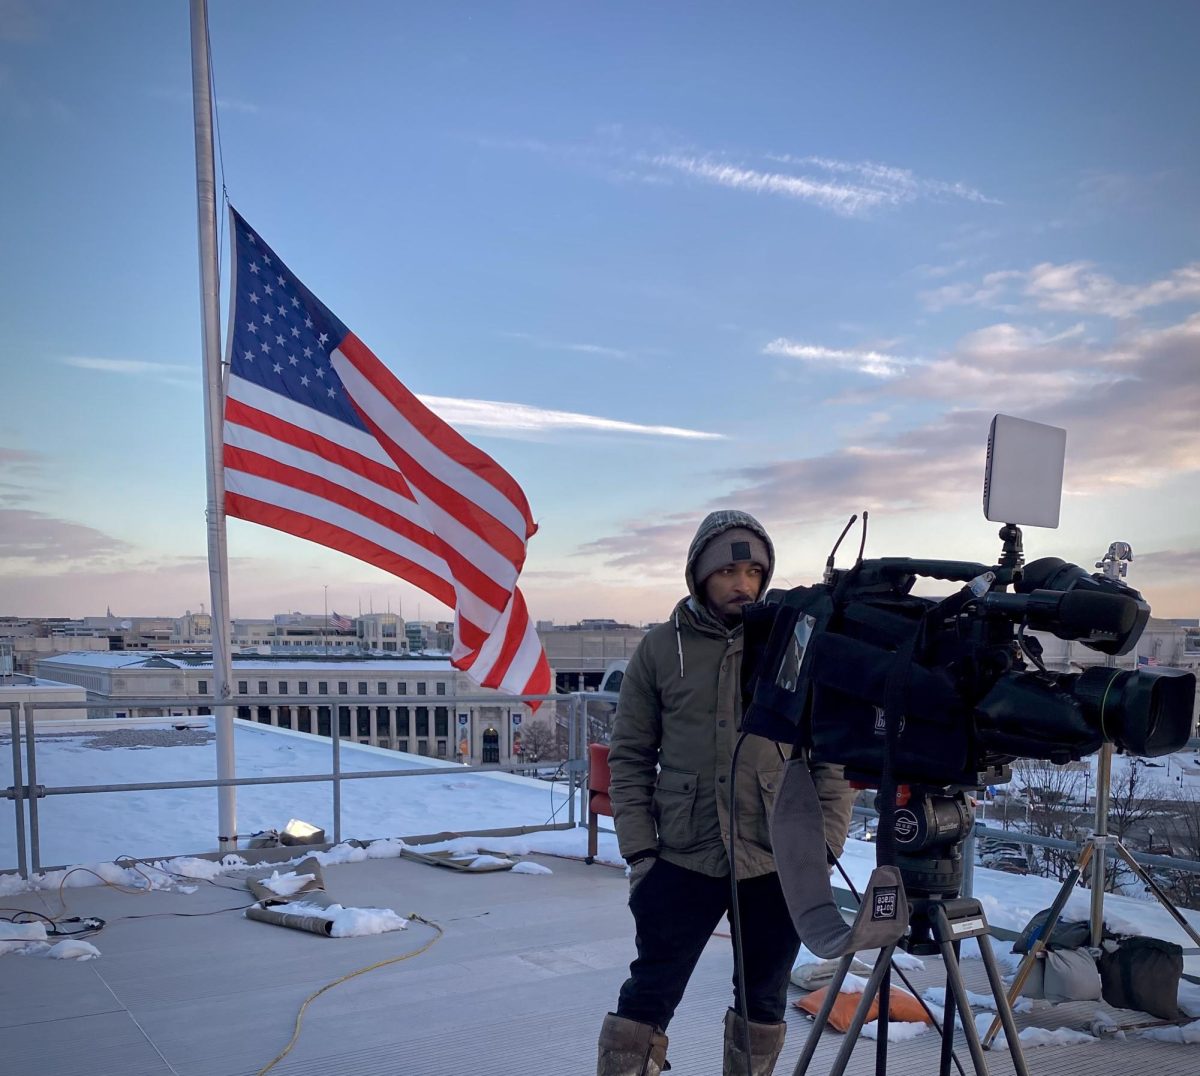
(124, 659)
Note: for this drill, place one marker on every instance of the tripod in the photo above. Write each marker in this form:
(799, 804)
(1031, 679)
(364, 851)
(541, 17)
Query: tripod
(1090, 847)
(939, 925)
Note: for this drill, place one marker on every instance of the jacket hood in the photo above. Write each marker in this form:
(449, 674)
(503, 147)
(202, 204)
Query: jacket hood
(717, 523)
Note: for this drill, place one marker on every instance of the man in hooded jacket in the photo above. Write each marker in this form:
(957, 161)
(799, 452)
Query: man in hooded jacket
(671, 752)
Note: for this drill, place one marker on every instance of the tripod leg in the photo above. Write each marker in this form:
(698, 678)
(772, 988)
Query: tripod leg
(1026, 966)
(954, 981)
(822, 1019)
(860, 1014)
(1003, 1008)
(948, 1024)
(1163, 899)
(881, 1042)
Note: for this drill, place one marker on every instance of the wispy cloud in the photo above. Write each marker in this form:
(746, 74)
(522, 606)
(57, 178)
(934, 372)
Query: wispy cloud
(601, 350)
(1073, 287)
(875, 363)
(498, 417)
(27, 535)
(166, 373)
(847, 188)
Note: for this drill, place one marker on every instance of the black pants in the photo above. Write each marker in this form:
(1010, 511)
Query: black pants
(676, 911)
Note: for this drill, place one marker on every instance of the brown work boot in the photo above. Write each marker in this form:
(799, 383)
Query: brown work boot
(766, 1043)
(628, 1048)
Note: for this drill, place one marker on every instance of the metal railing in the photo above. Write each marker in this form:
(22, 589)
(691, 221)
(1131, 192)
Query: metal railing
(26, 792)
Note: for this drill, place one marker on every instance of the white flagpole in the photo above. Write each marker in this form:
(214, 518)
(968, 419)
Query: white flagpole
(214, 407)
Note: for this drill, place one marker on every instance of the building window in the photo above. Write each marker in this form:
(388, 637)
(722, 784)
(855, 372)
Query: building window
(283, 687)
(262, 687)
(422, 720)
(381, 687)
(401, 745)
(344, 722)
(383, 720)
(362, 687)
(422, 687)
(303, 687)
(343, 688)
(402, 688)
(244, 713)
(422, 747)
(202, 687)
(491, 746)
(441, 687)
(304, 719)
(402, 722)
(243, 687)
(322, 687)
(441, 721)
(364, 721)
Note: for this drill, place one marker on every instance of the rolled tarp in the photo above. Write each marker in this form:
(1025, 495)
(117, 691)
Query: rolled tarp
(283, 915)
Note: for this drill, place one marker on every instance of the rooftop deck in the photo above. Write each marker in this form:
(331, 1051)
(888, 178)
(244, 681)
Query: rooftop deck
(519, 983)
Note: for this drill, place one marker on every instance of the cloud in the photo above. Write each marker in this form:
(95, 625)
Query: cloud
(848, 188)
(496, 417)
(875, 363)
(656, 548)
(558, 345)
(1129, 409)
(162, 372)
(26, 535)
(1074, 287)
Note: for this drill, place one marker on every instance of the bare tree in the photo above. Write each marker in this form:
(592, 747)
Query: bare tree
(539, 743)
(1051, 790)
(1133, 800)
(1183, 887)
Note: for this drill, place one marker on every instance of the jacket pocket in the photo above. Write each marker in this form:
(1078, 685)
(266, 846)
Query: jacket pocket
(757, 827)
(674, 798)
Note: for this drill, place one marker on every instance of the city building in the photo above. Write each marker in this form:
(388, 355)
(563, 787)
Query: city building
(404, 704)
(580, 653)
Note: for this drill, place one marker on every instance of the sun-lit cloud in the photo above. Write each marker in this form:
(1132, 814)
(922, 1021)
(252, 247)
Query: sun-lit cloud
(496, 417)
(1073, 287)
(875, 363)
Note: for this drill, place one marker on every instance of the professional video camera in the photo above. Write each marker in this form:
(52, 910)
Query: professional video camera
(941, 695)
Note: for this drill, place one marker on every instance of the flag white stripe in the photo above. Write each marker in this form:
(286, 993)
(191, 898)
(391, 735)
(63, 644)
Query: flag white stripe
(308, 418)
(397, 427)
(429, 518)
(474, 608)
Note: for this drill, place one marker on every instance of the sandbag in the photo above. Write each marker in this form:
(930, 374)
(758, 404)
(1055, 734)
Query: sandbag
(1067, 933)
(1071, 975)
(1142, 973)
(902, 1008)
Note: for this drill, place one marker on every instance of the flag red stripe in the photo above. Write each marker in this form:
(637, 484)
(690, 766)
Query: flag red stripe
(434, 429)
(241, 414)
(476, 581)
(518, 621)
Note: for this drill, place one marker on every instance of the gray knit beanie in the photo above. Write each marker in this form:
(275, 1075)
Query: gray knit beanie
(731, 547)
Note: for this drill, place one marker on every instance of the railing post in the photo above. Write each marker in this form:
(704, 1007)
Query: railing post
(35, 837)
(335, 730)
(18, 788)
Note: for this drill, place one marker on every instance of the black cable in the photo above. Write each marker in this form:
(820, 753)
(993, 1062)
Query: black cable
(739, 970)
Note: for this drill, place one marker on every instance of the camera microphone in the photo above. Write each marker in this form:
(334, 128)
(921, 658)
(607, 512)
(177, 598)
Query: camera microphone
(1070, 614)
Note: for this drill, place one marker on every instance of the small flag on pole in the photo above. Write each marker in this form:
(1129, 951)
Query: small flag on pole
(339, 622)
(322, 441)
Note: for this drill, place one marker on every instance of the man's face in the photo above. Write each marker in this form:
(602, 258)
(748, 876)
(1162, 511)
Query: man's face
(731, 587)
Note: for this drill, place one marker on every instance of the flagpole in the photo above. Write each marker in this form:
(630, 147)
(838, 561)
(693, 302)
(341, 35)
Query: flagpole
(214, 398)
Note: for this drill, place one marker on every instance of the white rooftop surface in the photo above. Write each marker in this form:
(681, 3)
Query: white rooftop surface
(519, 983)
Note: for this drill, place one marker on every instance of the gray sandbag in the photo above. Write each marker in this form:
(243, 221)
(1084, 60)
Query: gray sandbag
(1071, 975)
(1143, 973)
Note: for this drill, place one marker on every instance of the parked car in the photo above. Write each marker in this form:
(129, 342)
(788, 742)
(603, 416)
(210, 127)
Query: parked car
(1010, 862)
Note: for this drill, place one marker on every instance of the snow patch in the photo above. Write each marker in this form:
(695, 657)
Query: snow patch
(73, 950)
(1036, 1036)
(898, 1031)
(286, 885)
(348, 922)
(1189, 1033)
(529, 867)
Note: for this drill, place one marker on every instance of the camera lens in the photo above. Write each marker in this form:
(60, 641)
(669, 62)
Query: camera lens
(1145, 712)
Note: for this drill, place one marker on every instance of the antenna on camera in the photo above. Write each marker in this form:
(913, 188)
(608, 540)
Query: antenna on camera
(862, 544)
(828, 577)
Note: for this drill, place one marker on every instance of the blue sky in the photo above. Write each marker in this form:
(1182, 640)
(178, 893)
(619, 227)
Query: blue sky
(789, 258)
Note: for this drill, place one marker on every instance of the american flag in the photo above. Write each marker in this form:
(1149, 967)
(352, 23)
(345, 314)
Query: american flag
(339, 622)
(1152, 662)
(322, 441)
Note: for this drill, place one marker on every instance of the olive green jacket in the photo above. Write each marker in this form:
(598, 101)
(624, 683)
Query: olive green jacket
(673, 741)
